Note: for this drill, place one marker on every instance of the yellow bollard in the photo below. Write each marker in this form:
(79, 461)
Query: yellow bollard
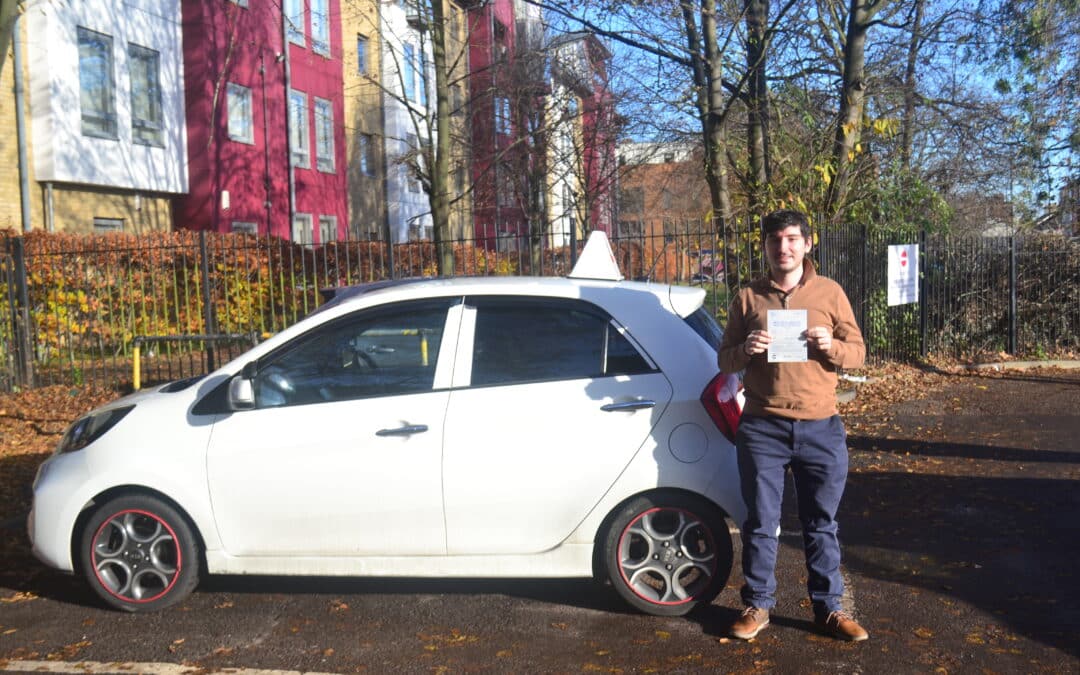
(136, 375)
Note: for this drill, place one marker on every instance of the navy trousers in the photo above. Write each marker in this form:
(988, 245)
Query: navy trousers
(816, 452)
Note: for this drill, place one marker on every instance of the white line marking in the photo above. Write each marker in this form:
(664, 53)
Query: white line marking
(120, 668)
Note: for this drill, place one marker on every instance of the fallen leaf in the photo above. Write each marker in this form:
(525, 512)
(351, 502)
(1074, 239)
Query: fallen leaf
(924, 633)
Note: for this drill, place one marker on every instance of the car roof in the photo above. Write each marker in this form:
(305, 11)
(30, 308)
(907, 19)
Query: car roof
(680, 299)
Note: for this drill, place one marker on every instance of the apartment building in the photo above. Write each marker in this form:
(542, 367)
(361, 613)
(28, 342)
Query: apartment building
(103, 143)
(265, 109)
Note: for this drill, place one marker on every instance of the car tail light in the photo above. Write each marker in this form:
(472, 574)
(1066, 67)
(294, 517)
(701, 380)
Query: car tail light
(723, 399)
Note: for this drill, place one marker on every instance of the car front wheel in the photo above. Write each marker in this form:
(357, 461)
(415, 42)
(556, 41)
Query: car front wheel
(139, 554)
(666, 553)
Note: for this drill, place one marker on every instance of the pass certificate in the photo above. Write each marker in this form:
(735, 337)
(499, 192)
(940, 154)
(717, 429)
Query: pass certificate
(788, 330)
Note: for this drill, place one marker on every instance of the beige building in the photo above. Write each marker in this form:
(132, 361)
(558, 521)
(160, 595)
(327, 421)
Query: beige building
(97, 157)
(366, 176)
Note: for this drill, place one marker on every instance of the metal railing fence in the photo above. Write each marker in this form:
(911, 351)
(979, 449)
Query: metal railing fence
(75, 307)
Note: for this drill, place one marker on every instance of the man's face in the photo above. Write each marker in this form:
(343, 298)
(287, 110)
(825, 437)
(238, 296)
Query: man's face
(785, 250)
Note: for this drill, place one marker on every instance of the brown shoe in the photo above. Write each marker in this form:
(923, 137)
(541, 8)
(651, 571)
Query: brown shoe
(840, 625)
(751, 622)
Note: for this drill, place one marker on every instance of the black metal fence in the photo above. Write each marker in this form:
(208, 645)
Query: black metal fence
(111, 310)
(979, 297)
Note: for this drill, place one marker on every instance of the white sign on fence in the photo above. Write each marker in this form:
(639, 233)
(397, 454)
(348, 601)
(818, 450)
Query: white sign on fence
(903, 274)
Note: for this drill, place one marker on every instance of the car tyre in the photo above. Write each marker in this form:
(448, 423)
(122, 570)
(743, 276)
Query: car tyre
(139, 554)
(667, 552)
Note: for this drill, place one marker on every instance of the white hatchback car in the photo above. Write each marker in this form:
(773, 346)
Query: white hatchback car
(469, 427)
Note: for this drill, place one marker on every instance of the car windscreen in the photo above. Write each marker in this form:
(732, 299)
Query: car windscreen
(706, 326)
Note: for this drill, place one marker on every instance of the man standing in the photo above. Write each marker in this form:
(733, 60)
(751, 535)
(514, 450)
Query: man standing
(790, 418)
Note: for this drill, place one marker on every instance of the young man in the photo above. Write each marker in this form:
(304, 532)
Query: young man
(790, 419)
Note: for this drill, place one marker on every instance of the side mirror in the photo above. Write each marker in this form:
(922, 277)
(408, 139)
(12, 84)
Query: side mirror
(242, 388)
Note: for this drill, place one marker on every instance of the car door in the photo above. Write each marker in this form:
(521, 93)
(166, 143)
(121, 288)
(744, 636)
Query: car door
(342, 454)
(551, 400)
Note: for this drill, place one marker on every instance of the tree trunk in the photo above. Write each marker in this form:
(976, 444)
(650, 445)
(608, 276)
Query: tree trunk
(439, 164)
(757, 102)
(710, 102)
(852, 101)
(907, 132)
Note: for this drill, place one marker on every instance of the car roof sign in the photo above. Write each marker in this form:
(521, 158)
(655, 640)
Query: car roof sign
(597, 261)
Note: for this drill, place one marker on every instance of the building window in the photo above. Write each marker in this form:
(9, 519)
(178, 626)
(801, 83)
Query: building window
(632, 200)
(361, 54)
(504, 190)
(502, 115)
(243, 227)
(324, 135)
(410, 72)
(412, 152)
(238, 111)
(327, 229)
(459, 180)
(96, 85)
(144, 66)
(423, 79)
(299, 133)
(294, 18)
(456, 99)
(240, 3)
(320, 27)
(301, 228)
(366, 154)
(106, 225)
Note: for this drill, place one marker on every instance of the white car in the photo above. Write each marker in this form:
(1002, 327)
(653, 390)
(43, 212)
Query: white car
(469, 427)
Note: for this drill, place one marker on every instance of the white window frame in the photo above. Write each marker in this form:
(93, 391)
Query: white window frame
(238, 111)
(147, 126)
(502, 115)
(324, 135)
(294, 15)
(299, 129)
(366, 154)
(98, 116)
(244, 227)
(410, 71)
(328, 231)
(320, 27)
(302, 229)
(107, 225)
(362, 44)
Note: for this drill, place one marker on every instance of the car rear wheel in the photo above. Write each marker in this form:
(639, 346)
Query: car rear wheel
(139, 554)
(666, 553)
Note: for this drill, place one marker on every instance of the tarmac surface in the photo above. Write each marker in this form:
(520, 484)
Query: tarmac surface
(960, 529)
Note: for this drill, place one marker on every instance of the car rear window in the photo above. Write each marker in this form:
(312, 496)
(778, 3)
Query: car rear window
(705, 325)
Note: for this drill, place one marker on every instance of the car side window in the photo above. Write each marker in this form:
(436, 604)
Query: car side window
(522, 339)
(377, 352)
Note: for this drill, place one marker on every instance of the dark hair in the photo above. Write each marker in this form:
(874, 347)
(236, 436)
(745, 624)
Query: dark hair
(783, 219)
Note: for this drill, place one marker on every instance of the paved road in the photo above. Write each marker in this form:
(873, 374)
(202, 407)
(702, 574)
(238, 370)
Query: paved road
(961, 528)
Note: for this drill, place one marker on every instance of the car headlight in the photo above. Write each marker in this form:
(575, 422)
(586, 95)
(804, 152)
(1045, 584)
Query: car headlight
(91, 427)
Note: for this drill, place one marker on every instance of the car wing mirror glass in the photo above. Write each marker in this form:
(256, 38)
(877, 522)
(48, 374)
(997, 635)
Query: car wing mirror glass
(242, 388)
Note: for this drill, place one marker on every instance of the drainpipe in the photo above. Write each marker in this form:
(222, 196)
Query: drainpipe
(383, 154)
(50, 213)
(20, 123)
(267, 203)
(288, 129)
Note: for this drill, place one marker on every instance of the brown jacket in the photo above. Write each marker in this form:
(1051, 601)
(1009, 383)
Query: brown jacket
(804, 391)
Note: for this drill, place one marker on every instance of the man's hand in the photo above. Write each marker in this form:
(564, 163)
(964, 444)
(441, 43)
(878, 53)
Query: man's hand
(819, 337)
(757, 342)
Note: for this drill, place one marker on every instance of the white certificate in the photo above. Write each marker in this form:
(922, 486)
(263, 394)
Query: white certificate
(788, 330)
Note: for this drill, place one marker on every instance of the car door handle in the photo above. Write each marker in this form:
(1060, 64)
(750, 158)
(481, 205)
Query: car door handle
(406, 430)
(628, 405)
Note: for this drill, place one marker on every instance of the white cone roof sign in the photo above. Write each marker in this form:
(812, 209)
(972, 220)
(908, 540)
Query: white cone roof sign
(597, 261)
